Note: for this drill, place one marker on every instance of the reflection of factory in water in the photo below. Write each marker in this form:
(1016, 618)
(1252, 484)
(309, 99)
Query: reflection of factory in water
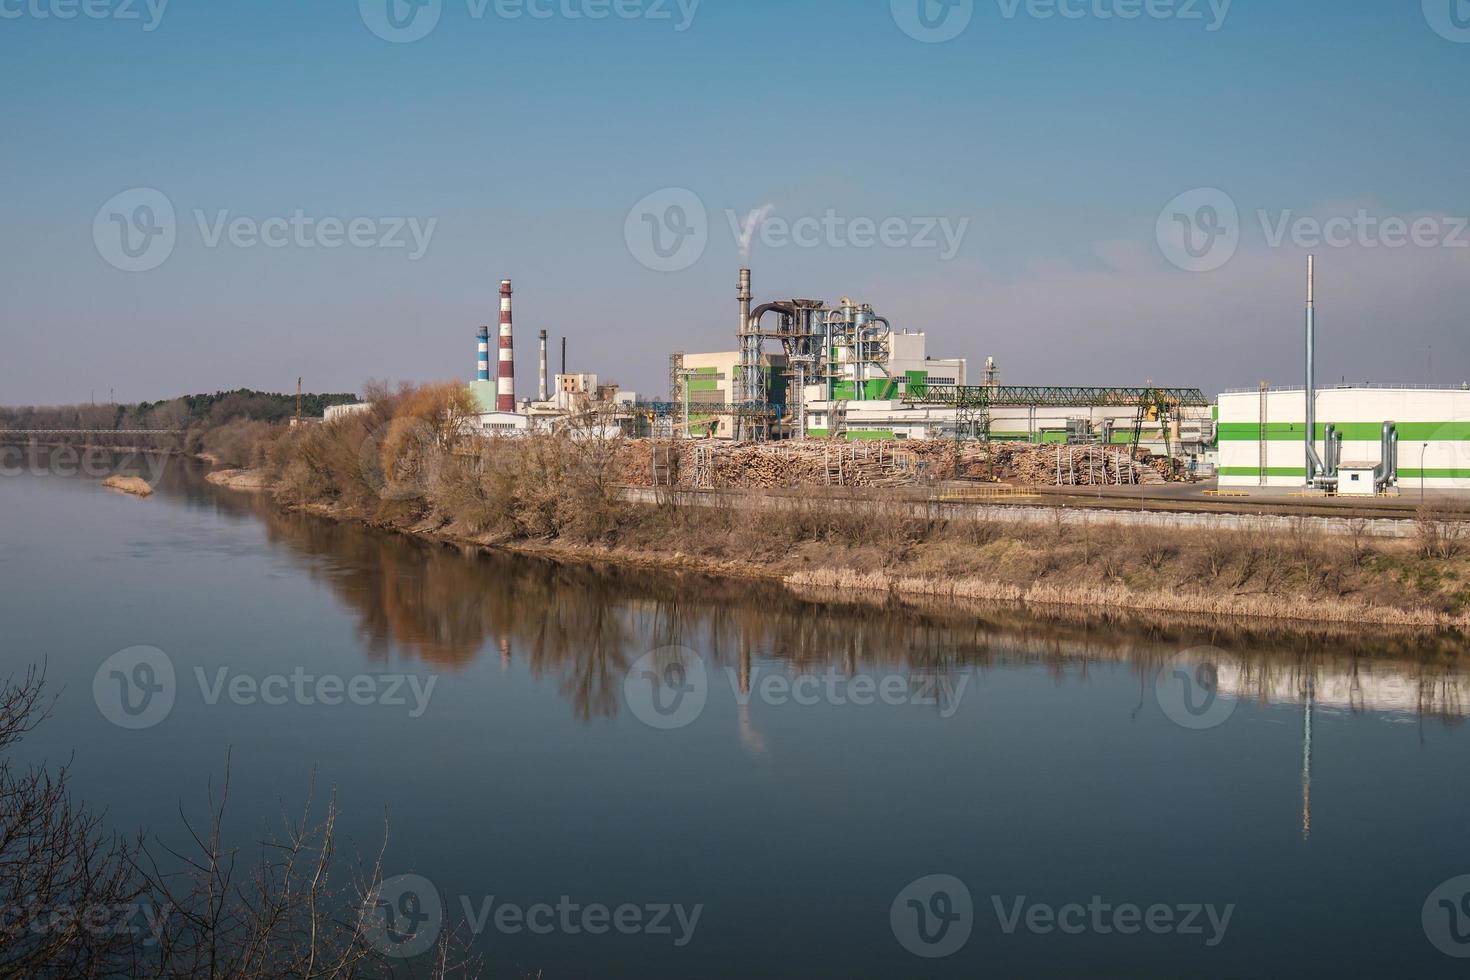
(1379, 689)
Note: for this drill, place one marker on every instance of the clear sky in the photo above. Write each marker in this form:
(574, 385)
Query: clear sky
(1049, 138)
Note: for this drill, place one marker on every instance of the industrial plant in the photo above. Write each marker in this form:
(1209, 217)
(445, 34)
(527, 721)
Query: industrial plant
(846, 374)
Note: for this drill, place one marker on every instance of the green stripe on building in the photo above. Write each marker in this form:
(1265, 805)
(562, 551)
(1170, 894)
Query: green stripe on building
(1351, 431)
(1434, 475)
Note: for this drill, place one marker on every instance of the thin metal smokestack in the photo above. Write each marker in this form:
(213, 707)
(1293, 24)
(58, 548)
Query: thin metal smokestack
(564, 355)
(484, 354)
(744, 296)
(542, 394)
(1314, 462)
(506, 400)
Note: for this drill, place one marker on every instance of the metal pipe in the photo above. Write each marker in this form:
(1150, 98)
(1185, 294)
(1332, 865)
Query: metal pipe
(1314, 462)
(542, 393)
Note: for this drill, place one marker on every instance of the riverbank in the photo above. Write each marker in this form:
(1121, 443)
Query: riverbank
(1290, 580)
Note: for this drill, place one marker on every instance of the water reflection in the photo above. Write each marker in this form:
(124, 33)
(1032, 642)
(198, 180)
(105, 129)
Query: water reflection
(583, 626)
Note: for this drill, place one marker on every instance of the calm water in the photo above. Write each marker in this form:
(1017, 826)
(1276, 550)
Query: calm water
(1044, 770)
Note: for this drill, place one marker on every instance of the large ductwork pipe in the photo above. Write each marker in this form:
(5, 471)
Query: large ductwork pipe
(1314, 462)
(1387, 473)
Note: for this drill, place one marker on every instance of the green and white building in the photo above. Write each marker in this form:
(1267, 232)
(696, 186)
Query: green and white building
(1387, 437)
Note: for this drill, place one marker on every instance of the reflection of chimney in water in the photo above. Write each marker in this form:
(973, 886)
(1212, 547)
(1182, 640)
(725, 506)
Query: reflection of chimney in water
(505, 653)
(1307, 705)
(744, 669)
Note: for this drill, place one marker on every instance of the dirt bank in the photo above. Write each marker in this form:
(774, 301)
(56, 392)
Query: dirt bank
(136, 486)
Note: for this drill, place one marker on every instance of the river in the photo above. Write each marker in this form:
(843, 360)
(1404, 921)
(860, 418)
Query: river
(624, 774)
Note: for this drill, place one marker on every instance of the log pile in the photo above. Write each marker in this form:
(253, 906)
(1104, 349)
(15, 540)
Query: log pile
(711, 465)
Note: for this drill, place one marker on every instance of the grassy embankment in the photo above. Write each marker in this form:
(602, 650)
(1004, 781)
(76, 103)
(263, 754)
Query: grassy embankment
(405, 465)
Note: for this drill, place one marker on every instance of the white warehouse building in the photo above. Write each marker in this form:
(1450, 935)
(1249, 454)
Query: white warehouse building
(1381, 438)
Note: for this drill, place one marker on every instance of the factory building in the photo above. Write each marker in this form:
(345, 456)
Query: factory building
(1352, 440)
(1421, 434)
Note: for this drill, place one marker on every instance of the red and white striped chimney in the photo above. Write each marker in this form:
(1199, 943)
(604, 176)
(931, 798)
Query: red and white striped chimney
(506, 400)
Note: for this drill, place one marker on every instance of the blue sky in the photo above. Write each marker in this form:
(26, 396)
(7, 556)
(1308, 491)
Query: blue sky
(1055, 142)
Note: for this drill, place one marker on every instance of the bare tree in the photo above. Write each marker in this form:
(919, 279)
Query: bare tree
(82, 903)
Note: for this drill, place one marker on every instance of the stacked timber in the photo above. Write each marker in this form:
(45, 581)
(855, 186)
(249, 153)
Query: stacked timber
(710, 465)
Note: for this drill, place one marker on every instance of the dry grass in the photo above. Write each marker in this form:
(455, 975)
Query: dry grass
(407, 463)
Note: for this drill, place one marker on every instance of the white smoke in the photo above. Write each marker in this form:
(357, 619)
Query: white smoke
(751, 225)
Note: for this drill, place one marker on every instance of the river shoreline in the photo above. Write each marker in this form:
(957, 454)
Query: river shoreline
(840, 581)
